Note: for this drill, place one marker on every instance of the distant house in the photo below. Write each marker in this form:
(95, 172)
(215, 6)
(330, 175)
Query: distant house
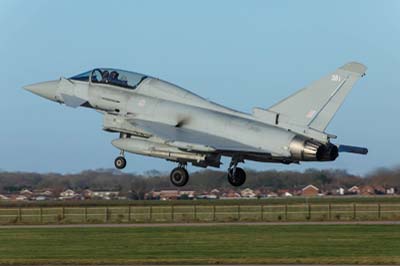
(230, 195)
(107, 195)
(391, 191)
(68, 194)
(87, 193)
(44, 192)
(152, 195)
(186, 194)
(272, 194)
(206, 195)
(379, 190)
(367, 190)
(3, 197)
(285, 193)
(26, 192)
(248, 193)
(259, 193)
(339, 191)
(169, 194)
(18, 198)
(354, 190)
(215, 192)
(41, 198)
(310, 190)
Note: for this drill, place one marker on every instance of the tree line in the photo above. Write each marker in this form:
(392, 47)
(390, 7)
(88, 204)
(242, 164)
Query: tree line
(206, 180)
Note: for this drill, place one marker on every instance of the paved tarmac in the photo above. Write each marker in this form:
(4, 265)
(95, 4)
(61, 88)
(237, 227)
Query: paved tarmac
(198, 224)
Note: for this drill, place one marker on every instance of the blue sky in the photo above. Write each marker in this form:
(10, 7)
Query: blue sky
(238, 53)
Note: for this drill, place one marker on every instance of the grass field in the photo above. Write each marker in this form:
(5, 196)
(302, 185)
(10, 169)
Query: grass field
(330, 244)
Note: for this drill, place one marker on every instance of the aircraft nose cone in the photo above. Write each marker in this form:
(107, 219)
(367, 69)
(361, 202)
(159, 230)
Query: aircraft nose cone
(46, 89)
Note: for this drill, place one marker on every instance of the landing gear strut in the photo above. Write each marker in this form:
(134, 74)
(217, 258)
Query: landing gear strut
(120, 161)
(179, 175)
(236, 175)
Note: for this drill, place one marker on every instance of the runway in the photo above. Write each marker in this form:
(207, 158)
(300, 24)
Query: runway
(198, 224)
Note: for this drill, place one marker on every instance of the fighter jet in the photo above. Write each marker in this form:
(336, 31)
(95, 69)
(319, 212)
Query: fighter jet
(157, 118)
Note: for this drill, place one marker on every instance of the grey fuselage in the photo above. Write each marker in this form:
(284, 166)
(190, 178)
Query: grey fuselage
(162, 102)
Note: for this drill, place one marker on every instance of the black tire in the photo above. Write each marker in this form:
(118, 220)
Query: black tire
(120, 162)
(179, 177)
(238, 178)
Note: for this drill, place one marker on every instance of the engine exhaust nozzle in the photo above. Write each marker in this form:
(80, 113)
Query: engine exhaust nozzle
(304, 149)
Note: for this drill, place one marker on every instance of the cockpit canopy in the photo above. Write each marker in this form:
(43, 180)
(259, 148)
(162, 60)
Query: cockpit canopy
(110, 76)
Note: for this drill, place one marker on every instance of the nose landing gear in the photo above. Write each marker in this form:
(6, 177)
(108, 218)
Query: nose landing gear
(236, 175)
(179, 176)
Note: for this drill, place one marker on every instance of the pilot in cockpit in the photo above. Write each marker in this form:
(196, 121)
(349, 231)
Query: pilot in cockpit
(114, 76)
(114, 79)
(104, 76)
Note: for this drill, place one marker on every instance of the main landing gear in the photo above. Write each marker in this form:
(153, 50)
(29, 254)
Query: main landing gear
(236, 175)
(120, 161)
(179, 176)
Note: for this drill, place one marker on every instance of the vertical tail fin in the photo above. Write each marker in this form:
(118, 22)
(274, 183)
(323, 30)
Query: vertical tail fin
(316, 104)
